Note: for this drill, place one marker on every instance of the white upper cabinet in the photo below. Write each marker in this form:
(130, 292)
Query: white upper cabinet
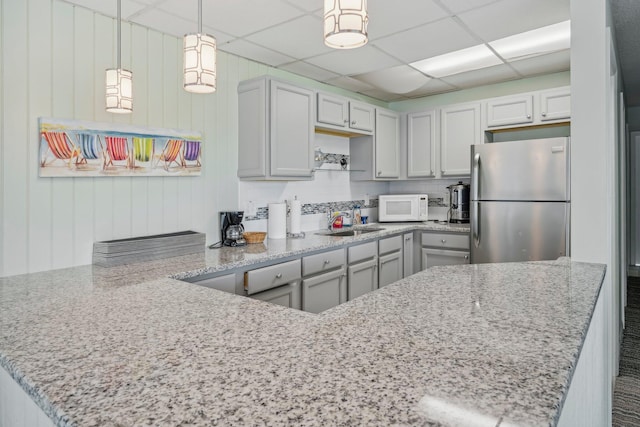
(387, 144)
(555, 104)
(335, 112)
(421, 144)
(510, 110)
(361, 116)
(275, 130)
(460, 128)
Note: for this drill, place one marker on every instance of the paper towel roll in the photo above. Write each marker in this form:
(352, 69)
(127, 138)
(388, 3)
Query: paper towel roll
(277, 221)
(295, 216)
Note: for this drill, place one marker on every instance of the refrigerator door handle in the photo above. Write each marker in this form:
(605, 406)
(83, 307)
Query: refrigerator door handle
(475, 226)
(476, 176)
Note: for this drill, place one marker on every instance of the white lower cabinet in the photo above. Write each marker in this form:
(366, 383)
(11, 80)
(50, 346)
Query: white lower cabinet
(407, 255)
(322, 292)
(390, 260)
(324, 283)
(226, 283)
(287, 296)
(444, 249)
(362, 270)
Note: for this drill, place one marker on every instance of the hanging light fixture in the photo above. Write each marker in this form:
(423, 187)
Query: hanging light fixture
(119, 82)
(345, 23)
(199, 60)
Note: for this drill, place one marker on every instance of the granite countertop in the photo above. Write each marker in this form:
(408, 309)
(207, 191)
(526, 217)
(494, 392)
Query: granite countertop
(229, 258)
(96, 346)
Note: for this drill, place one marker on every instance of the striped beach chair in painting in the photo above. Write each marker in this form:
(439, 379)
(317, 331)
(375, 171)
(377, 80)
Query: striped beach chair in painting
(61, 147)
(90, 147)
(117, 151)
(170, 153)
(143, 151)
(191, 154)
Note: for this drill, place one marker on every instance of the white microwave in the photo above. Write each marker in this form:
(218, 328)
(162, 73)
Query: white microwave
(402, 207)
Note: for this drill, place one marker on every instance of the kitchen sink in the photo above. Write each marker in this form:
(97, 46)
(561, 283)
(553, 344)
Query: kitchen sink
(352, 232)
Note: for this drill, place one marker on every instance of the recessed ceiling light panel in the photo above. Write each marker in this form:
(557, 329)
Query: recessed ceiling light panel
(469, 59)
(536, 42)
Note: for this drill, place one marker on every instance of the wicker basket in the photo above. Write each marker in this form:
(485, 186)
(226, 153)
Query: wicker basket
(254, 236)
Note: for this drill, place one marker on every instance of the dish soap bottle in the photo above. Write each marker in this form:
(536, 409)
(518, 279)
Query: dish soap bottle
(357, 215)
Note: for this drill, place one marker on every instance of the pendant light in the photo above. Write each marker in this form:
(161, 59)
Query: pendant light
(199, 60)
(345, 23)
(119, 82)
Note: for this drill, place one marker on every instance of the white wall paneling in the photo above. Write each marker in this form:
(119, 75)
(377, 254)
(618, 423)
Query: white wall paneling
(55, 66)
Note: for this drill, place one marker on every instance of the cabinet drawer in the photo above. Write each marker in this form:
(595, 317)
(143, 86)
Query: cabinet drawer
(389, 244)
(446, 240)
(325, 261)
(286, 296)
(225, 283)
(265, 278)
(362, 252)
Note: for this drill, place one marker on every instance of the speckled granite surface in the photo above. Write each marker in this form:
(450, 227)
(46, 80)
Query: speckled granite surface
(494, 342)
(273, 249)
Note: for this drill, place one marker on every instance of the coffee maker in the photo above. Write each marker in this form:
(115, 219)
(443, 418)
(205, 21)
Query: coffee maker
(231, 229)
(459, 202)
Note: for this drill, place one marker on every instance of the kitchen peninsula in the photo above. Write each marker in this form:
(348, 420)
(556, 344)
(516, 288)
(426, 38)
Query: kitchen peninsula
(473, 344)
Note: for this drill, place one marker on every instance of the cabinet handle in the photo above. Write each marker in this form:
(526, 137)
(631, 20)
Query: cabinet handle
(379, 172)
(406, 239)
(444, 241)
(466, 257)
(528, 116)
(346, 121)
(326, 261)
(353, 122)
(544, 114)
(279, 276)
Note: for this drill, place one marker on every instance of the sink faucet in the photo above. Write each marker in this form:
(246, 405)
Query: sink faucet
(331, 219)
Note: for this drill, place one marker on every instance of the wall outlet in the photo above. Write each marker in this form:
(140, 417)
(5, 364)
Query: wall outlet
(251, 208)
(366, 200)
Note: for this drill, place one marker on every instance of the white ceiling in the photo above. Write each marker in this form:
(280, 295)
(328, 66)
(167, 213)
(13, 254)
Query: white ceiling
(287, 34)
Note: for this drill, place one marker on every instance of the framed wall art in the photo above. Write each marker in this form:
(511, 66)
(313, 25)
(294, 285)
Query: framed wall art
(76, 148)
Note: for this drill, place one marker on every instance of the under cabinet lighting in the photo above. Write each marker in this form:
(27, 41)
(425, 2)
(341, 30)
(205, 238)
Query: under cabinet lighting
(536, 42)
(199, 60)
(469, 59)
(118, 81)
(345, 23)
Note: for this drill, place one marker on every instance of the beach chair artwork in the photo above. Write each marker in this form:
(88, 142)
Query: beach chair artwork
(76, 148)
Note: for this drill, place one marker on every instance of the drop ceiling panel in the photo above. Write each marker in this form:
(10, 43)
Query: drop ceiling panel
(300, 38)
(457, 6)
(507, 17)
(306, 5)
(433, 87)
(484, 76)
(174, 25)
(388, 17)
(349, 83)
(311, 71)
(110, 8)
(384, 95)
(550, 63)
(257, 53)
(238, 17)
(401, 79)
(354, 61)
(427, 41)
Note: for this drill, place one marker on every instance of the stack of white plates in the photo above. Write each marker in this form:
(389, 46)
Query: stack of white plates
(147, 248)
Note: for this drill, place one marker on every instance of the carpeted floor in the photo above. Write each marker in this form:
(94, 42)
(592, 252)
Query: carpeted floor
(626, 395)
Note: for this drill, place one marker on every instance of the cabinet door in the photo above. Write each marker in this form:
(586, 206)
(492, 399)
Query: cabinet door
(460, 128)
(287, 295)
(292, 130)
(407, 240)
(361, 116)
(390, 268)
(387, 144)
(322, 292)
(421, 144)
(511, 110)
(333, 110)
(252, 129)
(362, 278)
(555, 104)
(226, 283)
(432, 257)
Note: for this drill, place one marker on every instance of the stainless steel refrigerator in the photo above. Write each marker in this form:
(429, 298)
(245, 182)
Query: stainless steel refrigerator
(520, 200)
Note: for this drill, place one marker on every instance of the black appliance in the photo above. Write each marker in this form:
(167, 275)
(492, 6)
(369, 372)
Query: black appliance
(231, 228)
